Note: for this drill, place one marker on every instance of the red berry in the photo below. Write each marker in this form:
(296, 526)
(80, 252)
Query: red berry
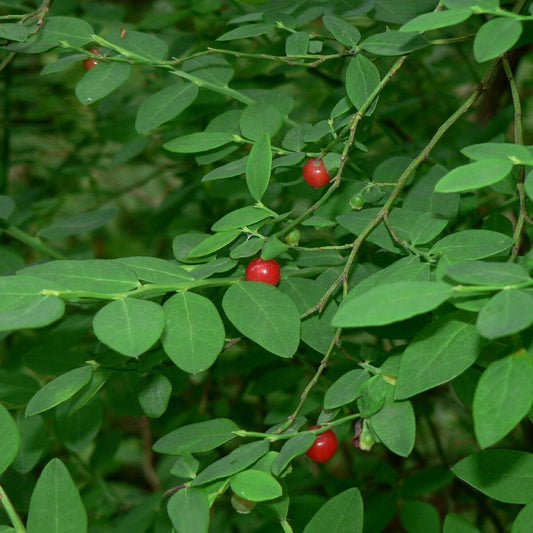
(91, 62)
(324, 447)
(316, 173)
(267, 271)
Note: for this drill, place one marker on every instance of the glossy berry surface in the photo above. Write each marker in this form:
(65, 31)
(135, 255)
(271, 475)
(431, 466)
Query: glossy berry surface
(267, 271)
(315, 173)
(91, 62)
(324, 447)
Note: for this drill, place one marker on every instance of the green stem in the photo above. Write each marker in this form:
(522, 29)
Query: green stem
(286, 526)
(11, 513)
(33, 242)
(518, 139)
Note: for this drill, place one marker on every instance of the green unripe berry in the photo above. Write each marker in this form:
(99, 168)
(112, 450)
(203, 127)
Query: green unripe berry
(357, 201)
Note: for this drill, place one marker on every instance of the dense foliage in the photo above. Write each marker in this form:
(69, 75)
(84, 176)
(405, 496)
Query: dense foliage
(161, 161)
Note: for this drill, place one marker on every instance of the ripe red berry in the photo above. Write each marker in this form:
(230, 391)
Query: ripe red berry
(316, 173)
(91, 62)
(324, 447)
(267, 271)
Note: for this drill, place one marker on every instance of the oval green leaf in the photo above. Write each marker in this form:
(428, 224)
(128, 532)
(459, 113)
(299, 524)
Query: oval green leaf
(362, 78)
(504, 475)
(198, 142)
(194, 333)
(59, 390)
(101, 80)
(258, 167)
(188, 510)
(390, 303)
(504, 395)
(198, 437)
(265, 315)
(130, 326)
(475, 175)
(9, 443)
(495, 37)
(255, 485)
(343, 512)
(55, 505)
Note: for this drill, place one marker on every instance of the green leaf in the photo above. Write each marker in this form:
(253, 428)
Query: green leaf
(244, 216)
(362, 78)
(528, 184)
(523, 520)
(419, 517)
(101, 80)
(504, 475)
(472, 244)
(260, 119)
(22, 304)
(76, 224)
(214, 243)
(516, 153)
(13, 32)
(395, 426)
(194, 334)
(291, 449)
(137, 45)
(165, 105)
(392, 302)
(59, 390)
(185, 466)
(155, 270)
(316, 330)
(487, 273)
(93, 275)
(188, 510)
(342, 513)
(394, 43)
(345, 389)
(248, 30)
(33, 443)
(77, 430)
(229, 170)
(496, 37)
(265, 315)
(437, 19)
(507, 312)
(155, 395)
(55, 505)
(483, 6)
(441, 351)
(454, 523)
(504, 395)
(475, 175)
(255, 485)
(297, 44)
(9, 443)
(198, 142)
(198, 437)
(344, 32)
(129, 326)
(258, 167)
(74, 31)
(236, 461)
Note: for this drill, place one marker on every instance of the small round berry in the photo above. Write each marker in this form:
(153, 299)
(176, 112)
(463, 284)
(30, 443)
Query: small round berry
(357, 202)
(267, 271)
(324, 447)
(315, 173)
(91, 62)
